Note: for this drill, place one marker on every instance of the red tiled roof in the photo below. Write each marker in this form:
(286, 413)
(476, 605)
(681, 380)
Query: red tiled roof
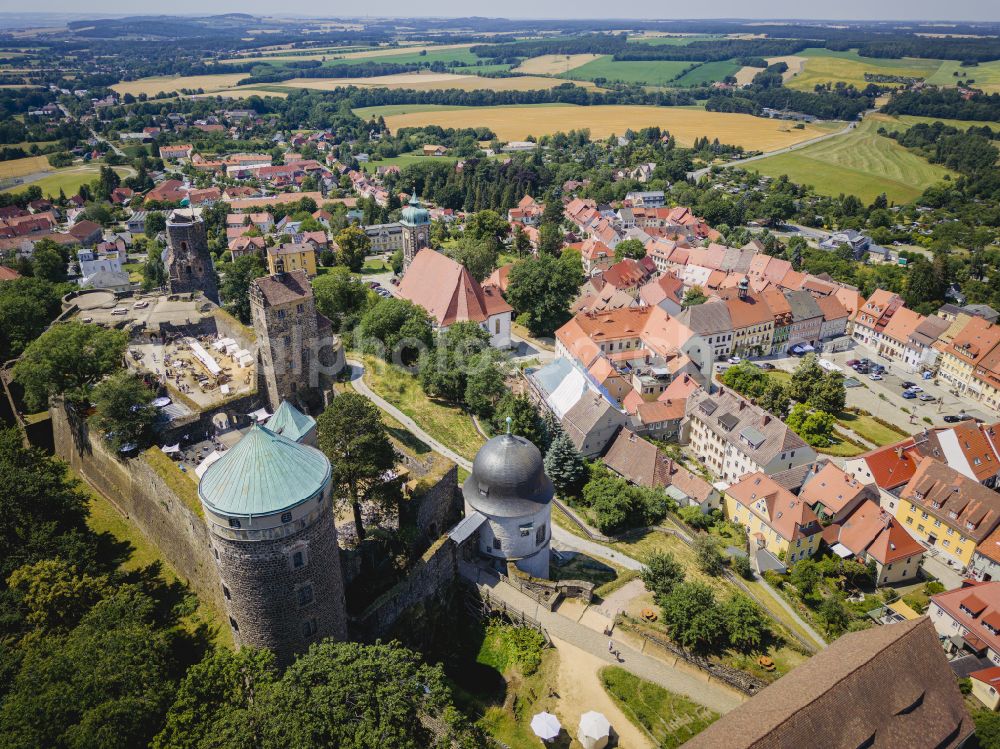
(448, 291)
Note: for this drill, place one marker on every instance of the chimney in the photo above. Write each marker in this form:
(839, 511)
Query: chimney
(767, 418)
(899, 452)
(743, 404)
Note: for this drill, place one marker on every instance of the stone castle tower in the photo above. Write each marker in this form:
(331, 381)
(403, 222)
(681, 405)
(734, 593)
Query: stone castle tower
(510, 492)
(269, 513)
(416, 223)
(298, 351)
(188, 261)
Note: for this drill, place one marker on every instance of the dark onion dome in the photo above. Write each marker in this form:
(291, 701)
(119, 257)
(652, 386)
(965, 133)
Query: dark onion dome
(508, 479)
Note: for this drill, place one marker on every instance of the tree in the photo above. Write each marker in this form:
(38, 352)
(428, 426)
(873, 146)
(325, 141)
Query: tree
(487, 226)
(340, 295)
(353, 436)
(107, 181)
(805, 576)
(807, 376)
(124, 410)
(54, 594)
(565, 466)
(540, 291)
(692, 617)
(746, 625)
(154, 273)
(484, 385)
(235, 289)
(987, 728)
(444, 369)
(708, 555)
(27, 306)
(520, 241)
(662, 574)
(630, 248)
(353, 245)
(525, 420)
(740, 564)
(395, 328)
(47, 262)
(550, 240)
(218, 701)
(396, 261)
(477, 255)
(830, 394)
(155, 223)
(775, 400)
(835, 615)
(693, 296)
(815, 427)
(67, 360)
(776, 208)
(355, 696)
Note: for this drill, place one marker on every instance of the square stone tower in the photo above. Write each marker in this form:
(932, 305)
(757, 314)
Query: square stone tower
(298, 351)
(188, 261)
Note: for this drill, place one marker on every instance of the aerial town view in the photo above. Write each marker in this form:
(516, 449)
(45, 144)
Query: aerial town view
(499, 377)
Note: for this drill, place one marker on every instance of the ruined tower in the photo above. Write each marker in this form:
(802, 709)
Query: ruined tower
(188, 261)
(268, 507)
(416, 223)
(299, 353)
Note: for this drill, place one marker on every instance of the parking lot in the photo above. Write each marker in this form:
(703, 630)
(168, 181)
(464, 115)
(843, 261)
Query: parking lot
(890, 406)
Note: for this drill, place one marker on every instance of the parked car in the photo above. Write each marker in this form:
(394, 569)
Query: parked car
(853, 362)
(140, 305)
(907, 385)
(733, 360)
(119, 311)
(915, 389)
(874, 376)
(952, 419)
(927, 397)
(909, 394)
(767, 366)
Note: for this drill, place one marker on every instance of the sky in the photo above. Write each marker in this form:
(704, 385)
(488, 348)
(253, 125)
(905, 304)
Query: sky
(970, 10)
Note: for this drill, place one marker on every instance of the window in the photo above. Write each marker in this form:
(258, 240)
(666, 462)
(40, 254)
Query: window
(304, 595)
(540, 534)
(920, 528)
(298, 560)
(937, 523)
(281, 314)
(309, 627)
(226, 593)
(497, 544)
(234, 625)
(286, 517)
(234, 523)
(946, 543)
(299, 308)
(923, 516)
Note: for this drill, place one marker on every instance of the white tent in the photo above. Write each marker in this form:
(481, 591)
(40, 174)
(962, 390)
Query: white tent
(171, 449)
(546, 726)
(207, 463)
(222, 344)
(595, 731)
(260, 414)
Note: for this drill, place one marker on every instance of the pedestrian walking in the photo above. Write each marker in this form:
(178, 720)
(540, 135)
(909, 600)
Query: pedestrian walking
(611, 646)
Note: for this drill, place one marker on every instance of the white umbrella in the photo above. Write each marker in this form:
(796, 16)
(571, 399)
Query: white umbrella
(546, 726)
(595, 730)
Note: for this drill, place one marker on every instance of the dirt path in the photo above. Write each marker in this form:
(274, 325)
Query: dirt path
(580, 690)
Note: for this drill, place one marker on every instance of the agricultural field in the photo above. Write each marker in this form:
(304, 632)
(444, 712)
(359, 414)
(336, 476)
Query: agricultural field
(906, 121)
(795, 63)
(387, 110)
(861, 162)
(648, 72)
(68, 180)
(553, 64)
(431, 81)
(706, 73)
(510, 123)
(25, 166)
(986, 75)
(168, 83)
(828, 66)
(675, 41)
(355, 53)
(744, 76)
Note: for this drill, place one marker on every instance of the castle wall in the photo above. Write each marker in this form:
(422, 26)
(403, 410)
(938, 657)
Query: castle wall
(439, 507)
(429, 578)
(148, 502)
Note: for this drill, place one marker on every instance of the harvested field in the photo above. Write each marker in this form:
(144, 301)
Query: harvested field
(168, 83)
(826, 66)
(22, 167)
(516, 123)
(430, 82)
(553, 64)
(648, 72)
(795, 65)
(744, 76)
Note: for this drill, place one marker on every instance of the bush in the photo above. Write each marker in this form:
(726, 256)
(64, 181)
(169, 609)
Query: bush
(741, 566)
(508, 646)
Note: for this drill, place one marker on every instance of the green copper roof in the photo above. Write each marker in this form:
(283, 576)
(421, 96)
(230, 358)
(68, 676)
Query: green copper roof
(263, 474)
(288, 421)
(415, 213)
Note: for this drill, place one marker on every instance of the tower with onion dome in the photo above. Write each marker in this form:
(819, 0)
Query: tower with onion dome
(416, 223)
(268, 509)
(509, 488)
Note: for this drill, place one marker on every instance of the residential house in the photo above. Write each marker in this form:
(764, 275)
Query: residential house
(888, 686)
(247, 246)
(858, 242)
(807, 319)
(776, 520)
(871, 319)
(733, 437)
(385, 237)
(528, 212)
(626, 275)
(596, 256)
(434, 150)
(948, 511)
(169, 191)
(647, 199)
(871, 535)
(834, 494)
(711, 321)
(591, 423)
(835, 317)
(897, 333)
(919, 354)
(176, 152)
(986, 558)
(986, 686)
(293, 257)
(753, 322)
(959, 359)
(450, 294)
(781, 310)
(86, 232)
(667, 292)
(967, 619)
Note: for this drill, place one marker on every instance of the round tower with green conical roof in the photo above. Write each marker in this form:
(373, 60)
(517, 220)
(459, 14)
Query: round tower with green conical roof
(268, 508)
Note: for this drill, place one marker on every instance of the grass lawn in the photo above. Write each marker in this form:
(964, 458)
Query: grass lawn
(860, 162)
(445, 423)
(829, 66)
(649, 72)
(104, 518)
(405, 159)
(644, 546)
(375, 265)
(463, 79)
(841, 448)
(667, 718)
(985, 75)
(900, 122)
(707, 73)
(406, 58)
(869, 429)
(773, 605)
(68, 179)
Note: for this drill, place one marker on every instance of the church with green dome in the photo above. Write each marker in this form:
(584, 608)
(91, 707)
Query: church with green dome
(416, 223)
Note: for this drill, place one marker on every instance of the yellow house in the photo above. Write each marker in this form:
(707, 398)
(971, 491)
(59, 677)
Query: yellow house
(293, 257)
(948, 511)
(986, 686)
(775, 519)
